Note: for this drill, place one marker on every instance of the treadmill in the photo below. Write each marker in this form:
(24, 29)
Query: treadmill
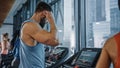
(86, 58)
(56, 57)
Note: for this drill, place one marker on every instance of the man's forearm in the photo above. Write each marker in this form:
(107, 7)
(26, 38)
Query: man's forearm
(53, 28)
(52, 42)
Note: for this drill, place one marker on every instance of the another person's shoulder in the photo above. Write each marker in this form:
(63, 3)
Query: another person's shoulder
(117, 35)
(110, 42)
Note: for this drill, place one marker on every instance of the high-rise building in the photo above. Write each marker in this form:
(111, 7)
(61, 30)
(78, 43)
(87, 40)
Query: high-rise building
(100, 10)
(96, 11)
(90, 19)
(114, 17)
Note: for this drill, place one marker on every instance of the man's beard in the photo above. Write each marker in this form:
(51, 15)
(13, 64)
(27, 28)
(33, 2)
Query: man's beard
(42, 22)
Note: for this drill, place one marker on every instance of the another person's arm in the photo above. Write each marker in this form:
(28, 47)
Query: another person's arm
(104, 59)
(3, 42)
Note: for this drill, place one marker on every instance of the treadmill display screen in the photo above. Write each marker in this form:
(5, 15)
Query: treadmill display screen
(58, 51)
(86, 58)
(55, 55)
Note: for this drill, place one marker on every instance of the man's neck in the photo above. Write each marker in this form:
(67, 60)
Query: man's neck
(35, 18)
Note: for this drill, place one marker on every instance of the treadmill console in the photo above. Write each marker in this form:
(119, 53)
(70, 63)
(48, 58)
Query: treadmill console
(87, 58)
(56, 57)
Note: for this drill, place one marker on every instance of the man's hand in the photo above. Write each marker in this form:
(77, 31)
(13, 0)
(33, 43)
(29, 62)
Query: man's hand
(49, 16)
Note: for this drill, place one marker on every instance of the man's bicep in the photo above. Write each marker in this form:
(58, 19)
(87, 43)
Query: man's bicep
(44, 37)
(41, 35)
(35, 31)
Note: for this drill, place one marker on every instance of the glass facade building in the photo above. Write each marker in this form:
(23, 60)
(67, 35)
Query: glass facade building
(102, 21)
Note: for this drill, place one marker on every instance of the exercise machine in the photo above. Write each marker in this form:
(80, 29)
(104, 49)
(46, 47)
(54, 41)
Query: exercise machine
(86, 58)
(56, 57)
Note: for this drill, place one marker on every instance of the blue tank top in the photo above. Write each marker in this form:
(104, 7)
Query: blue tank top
(31, 56)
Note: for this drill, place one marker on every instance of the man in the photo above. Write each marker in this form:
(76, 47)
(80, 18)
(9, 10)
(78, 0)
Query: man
(33, 36)
(110, 52)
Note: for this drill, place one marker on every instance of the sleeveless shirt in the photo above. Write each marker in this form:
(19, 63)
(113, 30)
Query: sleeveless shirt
(31, 56)
(117, 39)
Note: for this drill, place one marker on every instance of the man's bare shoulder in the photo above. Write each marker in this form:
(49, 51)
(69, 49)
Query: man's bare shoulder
(31, 28)
(31, 25)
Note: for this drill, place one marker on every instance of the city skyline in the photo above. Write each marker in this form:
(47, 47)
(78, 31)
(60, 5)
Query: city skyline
(103, 14)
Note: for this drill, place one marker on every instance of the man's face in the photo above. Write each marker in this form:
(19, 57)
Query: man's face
(42, 22)
(43, 19)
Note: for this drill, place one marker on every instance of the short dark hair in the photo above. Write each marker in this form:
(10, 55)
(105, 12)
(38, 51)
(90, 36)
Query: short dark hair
(43, 6)
(5, 34)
